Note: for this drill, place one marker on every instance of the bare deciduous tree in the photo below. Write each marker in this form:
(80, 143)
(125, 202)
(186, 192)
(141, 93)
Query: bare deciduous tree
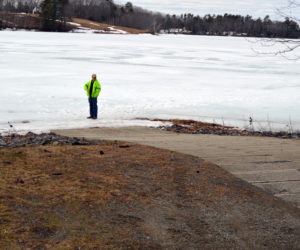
(289, 45)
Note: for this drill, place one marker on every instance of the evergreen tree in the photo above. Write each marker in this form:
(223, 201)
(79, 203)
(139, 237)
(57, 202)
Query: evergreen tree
(129, 7)
(53, 15)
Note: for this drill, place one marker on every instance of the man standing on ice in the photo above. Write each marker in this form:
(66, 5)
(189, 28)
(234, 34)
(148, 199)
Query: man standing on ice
(93, 89)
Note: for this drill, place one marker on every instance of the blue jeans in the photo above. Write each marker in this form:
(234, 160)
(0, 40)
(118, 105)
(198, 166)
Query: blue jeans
(93, 107)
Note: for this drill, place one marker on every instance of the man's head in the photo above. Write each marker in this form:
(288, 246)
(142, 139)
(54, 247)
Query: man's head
(94, 77)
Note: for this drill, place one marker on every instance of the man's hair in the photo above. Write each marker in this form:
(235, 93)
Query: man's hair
(94, 75)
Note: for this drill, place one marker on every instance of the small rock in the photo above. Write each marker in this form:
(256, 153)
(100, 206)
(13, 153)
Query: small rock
(16, 141)
(101, 152)
(57, 174)
(2, 143)
(115, 192)
(55, 143)
(19, 180)
(76, 143)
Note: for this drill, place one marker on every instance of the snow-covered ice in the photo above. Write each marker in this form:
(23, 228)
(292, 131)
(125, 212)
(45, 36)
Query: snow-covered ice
(169, 76)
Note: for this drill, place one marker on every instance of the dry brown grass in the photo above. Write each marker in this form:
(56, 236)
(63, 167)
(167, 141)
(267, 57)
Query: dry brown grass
(102, 26)
(136, 197)
(32, 21)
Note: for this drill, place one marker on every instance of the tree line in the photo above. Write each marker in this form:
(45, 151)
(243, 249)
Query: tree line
(54, 14)
(234, 24)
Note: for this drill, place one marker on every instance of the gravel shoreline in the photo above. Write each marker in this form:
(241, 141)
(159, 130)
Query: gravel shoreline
(30, 139)
(196, 127)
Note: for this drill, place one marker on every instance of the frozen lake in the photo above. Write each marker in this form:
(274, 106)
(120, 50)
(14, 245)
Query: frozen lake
(169, 76)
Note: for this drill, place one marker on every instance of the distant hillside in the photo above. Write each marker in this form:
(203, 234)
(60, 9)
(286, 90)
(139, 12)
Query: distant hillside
(102, 27)
(33, 21)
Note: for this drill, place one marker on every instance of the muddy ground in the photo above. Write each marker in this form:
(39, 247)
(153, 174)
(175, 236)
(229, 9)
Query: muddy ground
(117, 195)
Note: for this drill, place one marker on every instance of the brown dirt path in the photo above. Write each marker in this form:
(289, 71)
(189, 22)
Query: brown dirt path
(270, 163)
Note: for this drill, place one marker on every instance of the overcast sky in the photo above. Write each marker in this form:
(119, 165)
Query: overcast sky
(256, 8)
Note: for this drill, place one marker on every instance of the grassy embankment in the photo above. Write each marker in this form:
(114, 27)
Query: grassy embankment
(32, 21)
(115, 195)
(105, 27)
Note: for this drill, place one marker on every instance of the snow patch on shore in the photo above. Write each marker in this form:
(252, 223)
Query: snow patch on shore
(80, 29)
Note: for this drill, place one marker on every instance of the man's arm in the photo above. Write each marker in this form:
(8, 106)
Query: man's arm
(98, 89)
(86, 86)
